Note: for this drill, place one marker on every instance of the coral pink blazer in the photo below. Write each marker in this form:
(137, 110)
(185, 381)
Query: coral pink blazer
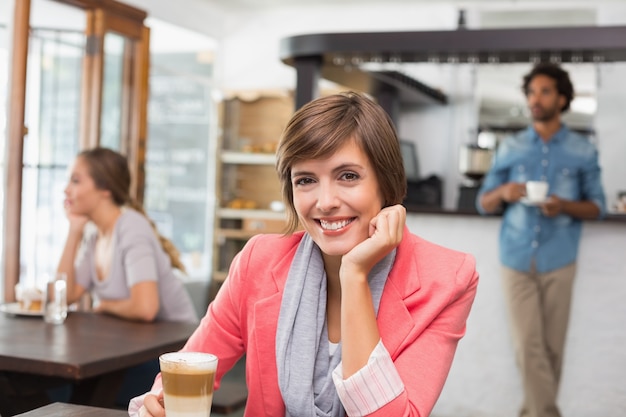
(422, 315)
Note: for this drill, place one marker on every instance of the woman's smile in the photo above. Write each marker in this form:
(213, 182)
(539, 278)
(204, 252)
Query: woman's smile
(335, 225)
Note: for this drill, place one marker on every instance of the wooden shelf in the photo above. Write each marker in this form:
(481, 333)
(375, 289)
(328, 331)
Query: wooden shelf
(235, 234)
(228, 213)
(219, 276)
(251, 126)
(232, 157)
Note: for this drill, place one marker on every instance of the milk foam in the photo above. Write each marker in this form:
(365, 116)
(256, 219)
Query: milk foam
(178, 362)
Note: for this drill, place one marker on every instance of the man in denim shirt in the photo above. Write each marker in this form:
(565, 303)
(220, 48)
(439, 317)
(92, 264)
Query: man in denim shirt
(539, 241)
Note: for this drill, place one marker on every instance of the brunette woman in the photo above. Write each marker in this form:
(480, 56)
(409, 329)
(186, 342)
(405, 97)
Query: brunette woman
(354, 315)
(113, 251)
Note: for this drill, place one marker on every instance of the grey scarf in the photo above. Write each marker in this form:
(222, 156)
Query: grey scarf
(302, 356)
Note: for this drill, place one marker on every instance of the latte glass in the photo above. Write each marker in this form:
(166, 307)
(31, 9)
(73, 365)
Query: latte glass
(188, 383)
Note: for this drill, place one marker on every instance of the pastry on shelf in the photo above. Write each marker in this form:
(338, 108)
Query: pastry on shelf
(242, 203)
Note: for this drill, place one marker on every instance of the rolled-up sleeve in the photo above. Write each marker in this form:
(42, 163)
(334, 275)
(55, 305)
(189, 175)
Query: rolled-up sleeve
(592, 183)
(373, 386)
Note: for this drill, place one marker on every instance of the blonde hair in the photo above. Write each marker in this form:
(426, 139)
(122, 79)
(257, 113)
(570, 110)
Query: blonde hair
(109, 171)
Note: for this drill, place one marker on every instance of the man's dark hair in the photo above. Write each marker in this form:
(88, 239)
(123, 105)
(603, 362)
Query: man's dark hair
(563, 83)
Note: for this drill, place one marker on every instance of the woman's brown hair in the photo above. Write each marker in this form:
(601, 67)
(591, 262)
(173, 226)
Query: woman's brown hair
(323, 125)
(109, 171)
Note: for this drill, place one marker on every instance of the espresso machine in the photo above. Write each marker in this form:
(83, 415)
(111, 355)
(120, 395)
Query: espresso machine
(474, 163)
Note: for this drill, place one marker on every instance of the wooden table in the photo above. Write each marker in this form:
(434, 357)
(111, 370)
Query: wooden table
(73, 410)
(91, 350)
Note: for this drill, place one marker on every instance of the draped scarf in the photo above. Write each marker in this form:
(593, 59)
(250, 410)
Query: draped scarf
(302, 348)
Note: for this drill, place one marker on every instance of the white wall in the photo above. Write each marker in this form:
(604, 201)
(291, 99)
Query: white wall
(611, 110)
(483, 381)
(610, 128)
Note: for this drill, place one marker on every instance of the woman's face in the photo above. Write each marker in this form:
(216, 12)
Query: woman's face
(81, 194)
(336, 198)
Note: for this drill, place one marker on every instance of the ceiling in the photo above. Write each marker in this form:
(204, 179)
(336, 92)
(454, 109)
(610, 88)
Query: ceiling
(500, 4)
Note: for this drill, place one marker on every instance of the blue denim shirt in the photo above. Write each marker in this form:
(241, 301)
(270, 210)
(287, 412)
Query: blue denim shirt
(569, 162)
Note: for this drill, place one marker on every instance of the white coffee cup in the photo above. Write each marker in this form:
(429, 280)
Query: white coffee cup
(536, 190)
(188, 383)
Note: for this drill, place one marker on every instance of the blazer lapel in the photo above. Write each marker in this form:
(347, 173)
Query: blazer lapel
(265, 322)
(394, 319)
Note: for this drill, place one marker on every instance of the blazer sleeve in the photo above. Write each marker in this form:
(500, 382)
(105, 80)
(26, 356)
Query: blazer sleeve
(220, 330)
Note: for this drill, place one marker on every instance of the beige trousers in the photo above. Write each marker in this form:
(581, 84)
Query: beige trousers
(539, 306)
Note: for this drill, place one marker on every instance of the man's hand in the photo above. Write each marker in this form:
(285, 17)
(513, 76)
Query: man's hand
(552, 207)
(512, 191)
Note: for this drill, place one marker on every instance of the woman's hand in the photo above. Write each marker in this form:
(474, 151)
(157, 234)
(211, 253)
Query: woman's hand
(77, 221)
(359, 330)
(385, 234)
(152, 406)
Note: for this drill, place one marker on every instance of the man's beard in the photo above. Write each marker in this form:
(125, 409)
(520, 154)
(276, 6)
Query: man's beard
(544, 115)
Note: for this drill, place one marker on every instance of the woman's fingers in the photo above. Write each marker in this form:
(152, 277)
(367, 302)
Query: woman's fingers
(390, 223)
(153, 406)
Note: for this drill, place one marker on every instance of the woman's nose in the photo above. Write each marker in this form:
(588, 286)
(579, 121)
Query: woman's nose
(327, 198)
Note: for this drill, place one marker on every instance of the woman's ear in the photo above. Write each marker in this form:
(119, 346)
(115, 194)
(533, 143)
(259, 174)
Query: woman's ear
(106, 194)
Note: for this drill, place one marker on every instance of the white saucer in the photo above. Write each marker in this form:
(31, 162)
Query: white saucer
(526, 201)
(16, 310)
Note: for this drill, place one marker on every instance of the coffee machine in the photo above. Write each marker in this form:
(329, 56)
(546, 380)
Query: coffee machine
(474, 163)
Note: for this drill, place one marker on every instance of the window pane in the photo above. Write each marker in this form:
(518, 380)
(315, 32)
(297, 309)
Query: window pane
(179, 193)
(52, 115)
(111, 118)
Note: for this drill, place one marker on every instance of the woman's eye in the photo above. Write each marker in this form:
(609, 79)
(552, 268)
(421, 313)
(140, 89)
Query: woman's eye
(350, 176)
(302, 181)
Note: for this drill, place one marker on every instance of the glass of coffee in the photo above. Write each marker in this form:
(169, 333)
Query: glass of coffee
(188, 383)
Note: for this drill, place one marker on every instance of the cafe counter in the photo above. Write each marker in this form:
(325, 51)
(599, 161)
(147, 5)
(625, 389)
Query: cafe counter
(417, 209)
(483, 379)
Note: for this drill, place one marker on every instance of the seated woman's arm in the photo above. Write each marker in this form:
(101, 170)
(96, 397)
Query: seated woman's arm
(68, 258)
(143, 304)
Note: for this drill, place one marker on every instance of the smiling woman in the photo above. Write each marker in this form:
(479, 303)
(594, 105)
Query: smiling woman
(359, 315)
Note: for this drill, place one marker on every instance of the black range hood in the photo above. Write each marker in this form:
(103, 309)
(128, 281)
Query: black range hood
(327, 55)
(410, 91)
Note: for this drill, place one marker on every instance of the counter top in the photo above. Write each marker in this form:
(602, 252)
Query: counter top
(613, 217)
